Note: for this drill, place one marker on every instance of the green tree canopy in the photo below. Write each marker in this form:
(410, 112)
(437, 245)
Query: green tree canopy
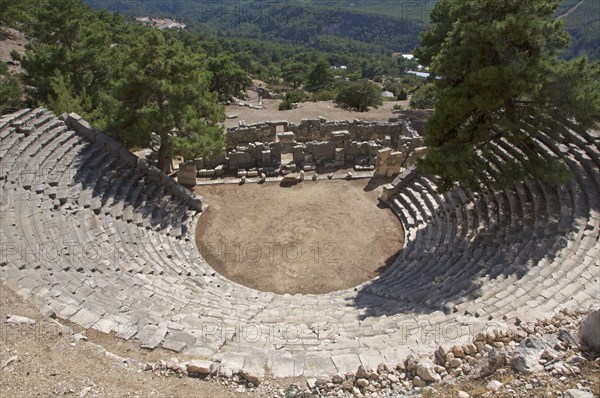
(228, 78)
(424, 97)
(320, 76)
(359, 96)
(294, 73)
(165, 90)
(10, 90)
(71, 62)
(16, 13)
(273, 74)
(499, 72)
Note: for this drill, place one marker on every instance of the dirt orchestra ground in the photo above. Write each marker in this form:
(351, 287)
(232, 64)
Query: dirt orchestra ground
(313, 237)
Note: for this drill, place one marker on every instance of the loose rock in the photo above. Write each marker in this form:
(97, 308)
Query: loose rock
(426, 371)
(589, 332)
(199, 366)
(493, 385)
(20, 320)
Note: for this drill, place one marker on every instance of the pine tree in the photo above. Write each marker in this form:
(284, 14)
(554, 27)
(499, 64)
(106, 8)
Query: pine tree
(320, 76)
(294, 73)
(165, 90)
(228, 78)
(73, 58)
(499, 70)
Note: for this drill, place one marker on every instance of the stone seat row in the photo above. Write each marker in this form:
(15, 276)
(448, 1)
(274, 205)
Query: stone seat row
(531, 211)
(468, 257)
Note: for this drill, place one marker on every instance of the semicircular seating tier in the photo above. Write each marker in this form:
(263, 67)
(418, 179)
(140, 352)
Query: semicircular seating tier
(108, 245)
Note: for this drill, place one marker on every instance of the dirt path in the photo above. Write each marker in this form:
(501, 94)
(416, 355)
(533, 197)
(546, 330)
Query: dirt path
(313, 237)
(570, 10)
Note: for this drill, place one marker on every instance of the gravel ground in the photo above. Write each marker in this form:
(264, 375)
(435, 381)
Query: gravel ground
(305, 110)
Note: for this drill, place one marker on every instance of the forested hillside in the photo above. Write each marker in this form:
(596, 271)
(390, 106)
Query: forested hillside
(358, 26)
(318, 24)
(582, 20)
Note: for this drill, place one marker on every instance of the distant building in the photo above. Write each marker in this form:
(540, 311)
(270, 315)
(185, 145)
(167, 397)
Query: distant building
(161, 23)
(405, 56)
(420, 74)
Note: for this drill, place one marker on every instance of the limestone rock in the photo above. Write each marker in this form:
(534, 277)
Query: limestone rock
(362, 373)
(566, 337)
(458, 351)
(589, 331)
(575, 393)
(539, 342)
(393, 378)
(471, 349)
(48, 311)
(576, 359)
(199, 366)
(80, 336)
(418, 382)
(362, 382)
(252, 375)
(497, 358)
(440, 355)
(225, 371)
(426, 370)
(411, 362)
(526, 361)
(347, 385)
(321, 381)
(20, 320)
(493, 385)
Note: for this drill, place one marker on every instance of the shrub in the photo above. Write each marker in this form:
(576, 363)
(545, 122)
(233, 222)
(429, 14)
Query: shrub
(328, 94)
(359, 96)
(286, 105)
(425, 97)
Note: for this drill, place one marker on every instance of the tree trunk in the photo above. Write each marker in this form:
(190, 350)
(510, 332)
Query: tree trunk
(163, 162)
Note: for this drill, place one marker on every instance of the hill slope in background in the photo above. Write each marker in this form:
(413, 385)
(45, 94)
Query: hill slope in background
(361, 26)
(582, 20)
(318, 24)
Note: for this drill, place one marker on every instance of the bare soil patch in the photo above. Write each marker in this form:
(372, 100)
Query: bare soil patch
(12, 40)
(312, 237)
(307, 110)
(44, 360)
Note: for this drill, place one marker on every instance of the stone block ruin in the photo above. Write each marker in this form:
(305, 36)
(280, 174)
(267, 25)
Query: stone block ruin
(280, 147)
